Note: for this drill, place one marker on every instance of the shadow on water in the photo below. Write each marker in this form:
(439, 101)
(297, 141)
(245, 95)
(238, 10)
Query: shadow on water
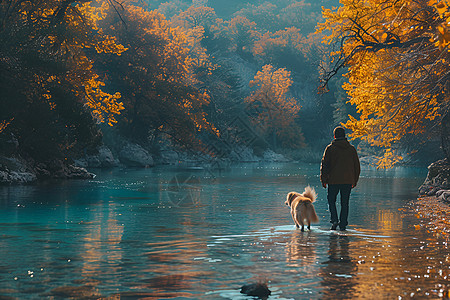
(179, 233)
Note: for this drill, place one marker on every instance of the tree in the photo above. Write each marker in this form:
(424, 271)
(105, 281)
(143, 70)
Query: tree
(271, 108)
(265, 15)
(48, 88)
(195, 16)
(156, 77)
(300, 15)
(240, 32)
(170, 9)
(282, 48)
(397, 57)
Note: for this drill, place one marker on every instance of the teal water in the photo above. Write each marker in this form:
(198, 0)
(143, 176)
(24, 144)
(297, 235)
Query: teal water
(198, 233)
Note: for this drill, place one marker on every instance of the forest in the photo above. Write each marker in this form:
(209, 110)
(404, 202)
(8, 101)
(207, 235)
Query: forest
(101, 83)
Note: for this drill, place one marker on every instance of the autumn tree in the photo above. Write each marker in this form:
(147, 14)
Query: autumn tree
(396, 56)
(300, 14)
(265, 14)
(156, 77)
(240, 34)
(172, 8)
(48, 90)
(272, 110)
(194, 17)
(286, 47)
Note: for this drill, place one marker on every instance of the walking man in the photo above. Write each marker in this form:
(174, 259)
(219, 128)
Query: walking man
(339, 171)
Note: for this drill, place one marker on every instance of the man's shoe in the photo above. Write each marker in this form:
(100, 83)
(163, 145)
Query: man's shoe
(334, 226)
(342, 228)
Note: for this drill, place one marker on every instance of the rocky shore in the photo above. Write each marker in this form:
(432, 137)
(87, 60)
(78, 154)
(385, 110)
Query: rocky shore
(437, 182)
(17, 170)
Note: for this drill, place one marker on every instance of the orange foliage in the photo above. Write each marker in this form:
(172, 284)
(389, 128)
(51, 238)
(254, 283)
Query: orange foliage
(193, 22)
(65, 32)
(398, 63)
(194, 17)
(275, 111)
(158, 72)
(289, 38)
(4, 124)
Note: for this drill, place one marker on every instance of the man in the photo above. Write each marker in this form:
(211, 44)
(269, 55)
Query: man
(340, 171)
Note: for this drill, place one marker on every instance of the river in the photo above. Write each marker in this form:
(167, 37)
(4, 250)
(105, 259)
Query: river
(200, 233)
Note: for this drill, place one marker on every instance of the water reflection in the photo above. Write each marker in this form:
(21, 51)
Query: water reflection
(301, 249)
(339, 271)
(120, 236)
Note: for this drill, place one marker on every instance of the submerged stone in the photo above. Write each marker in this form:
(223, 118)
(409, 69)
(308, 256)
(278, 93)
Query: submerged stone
(256, 289)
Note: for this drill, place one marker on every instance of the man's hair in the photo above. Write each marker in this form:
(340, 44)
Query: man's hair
(339, 132)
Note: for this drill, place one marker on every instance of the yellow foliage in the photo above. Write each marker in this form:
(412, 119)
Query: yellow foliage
(163, 58)
(396, 58)
(275, 110)
(66, 37)
(103, 105)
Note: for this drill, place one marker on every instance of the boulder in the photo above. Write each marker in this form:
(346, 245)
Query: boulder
(443, 195)
(438, 178)
(133, 155)
(243, 154)
(259, 290)
(271, 156)
(73, 172)
(169, 157)
(103, 159)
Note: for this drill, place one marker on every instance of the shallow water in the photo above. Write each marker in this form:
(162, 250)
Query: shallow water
(194, 233)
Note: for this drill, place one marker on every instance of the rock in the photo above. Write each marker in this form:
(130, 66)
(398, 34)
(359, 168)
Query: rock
(437, 179)
(443, 195)
(259, 290)
(271, 156)
(168, 157)
(73, 172)
(13, 177)
(15, 171)
(81, 162)
(133, 155)
(243, 154)
(103, 159)
(370, 160)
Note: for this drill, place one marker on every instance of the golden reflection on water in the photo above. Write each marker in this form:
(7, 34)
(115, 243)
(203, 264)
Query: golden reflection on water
(301, 249)
(388, 221)
(370, 264)
(104, 232)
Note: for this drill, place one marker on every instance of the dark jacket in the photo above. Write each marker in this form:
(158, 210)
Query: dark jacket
(340, 164)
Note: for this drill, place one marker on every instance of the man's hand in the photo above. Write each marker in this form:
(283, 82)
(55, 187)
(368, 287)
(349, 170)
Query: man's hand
(324, 185)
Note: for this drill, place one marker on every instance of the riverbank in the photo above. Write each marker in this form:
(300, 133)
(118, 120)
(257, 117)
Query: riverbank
(19, 170)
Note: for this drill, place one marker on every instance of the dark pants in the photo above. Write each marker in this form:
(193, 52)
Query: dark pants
(333, 191)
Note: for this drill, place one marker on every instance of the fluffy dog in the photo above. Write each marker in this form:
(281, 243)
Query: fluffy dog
(302, 207)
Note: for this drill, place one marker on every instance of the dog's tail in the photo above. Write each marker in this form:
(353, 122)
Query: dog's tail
(310, 193)
(312, 215)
